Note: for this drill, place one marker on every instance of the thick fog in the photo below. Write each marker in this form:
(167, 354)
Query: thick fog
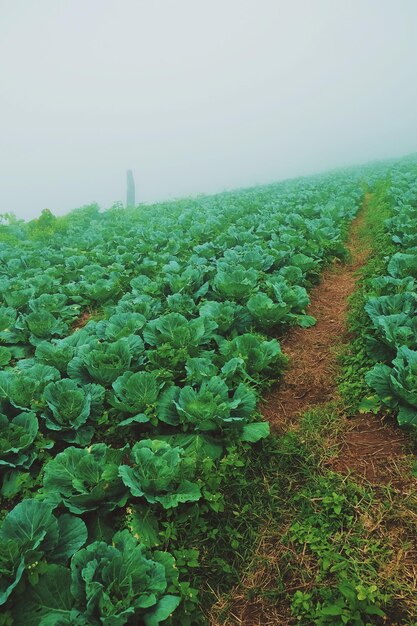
(195, 95)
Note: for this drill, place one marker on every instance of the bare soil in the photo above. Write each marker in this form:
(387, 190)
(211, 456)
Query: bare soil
(372, 449)
(370, 446)
(81, 321)
(311, 378)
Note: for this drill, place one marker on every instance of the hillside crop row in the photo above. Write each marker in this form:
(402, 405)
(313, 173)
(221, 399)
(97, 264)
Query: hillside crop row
(391, 308)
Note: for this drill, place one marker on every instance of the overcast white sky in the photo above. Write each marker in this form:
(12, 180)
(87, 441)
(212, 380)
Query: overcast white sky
(196, 95)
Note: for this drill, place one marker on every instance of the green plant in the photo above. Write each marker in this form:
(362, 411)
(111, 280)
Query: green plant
(16, 440)
(160, 473)
(396, 387)
(137, 394)
(107, 584)
(86, 479)
(71, 406)
(31, 535)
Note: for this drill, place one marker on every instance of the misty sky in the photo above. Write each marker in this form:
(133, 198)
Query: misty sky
(196, 95)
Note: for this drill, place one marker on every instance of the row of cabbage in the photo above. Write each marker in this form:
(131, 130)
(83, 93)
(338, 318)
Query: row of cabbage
(392, 308)
(189, 293)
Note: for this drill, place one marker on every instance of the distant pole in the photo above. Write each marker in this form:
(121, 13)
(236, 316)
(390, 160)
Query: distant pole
(130, 193)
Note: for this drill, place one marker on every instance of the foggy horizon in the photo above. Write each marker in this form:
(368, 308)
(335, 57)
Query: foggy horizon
(213, 192)
(197, 99)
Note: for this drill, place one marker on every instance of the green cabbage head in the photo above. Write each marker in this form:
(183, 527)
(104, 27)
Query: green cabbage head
(70, 407)
(85, 479)
(107, 585)
(160, 473)
(30, 533)
(397, 386)
(17, 435)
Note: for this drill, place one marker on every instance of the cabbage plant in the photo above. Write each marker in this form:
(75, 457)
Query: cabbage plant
(5, 356)
(17, 435)
(266, 312)
(101, 290)
(249, 356)
(175, 338)
(23, 386)
(228, 315)
(31, 533)
(56, 353)
(85, 479)
(70, 406)
(43, 324)
(211, 407)
(136, 394)
(235, 282)
(11, 330)
(106, 585)
(200, 369)
(294, 297)
(55, 303)
(402, 265)
(160, 473)
(120, 325)
(104, 362)
(397, 386)
(179, 332)
(8, 317)
(394, 323)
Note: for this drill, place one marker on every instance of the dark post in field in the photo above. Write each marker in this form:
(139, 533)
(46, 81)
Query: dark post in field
(130, 192)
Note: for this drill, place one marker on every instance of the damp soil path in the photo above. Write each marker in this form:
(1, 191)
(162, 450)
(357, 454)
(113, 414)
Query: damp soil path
(311, 377)
(370, 446)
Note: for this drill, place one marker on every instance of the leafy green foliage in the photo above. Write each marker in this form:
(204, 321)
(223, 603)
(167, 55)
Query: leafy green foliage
(31, 533)
(349, 599)
(42, 325)
(86, 479)
(208, 408)
(248, 356)
(16, 440)
(70, 406)
(235, 282)
(160, 473)
(56, 354)
(136, 393)
(23, 386)
(123, 582)
(397, 386)
(387, 327)
(265, 311)
(107, 584)
(104, 362)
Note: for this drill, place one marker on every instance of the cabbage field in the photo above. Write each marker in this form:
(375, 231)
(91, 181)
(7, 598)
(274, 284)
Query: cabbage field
(391, 308)
(135, 346)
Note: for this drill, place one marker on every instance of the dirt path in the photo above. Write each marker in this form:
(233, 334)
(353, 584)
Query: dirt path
(311, 378)
(370, 447)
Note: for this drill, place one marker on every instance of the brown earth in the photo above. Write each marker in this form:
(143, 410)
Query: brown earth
(370, 445)
(371, 448)
(81, 321)
(311, 378)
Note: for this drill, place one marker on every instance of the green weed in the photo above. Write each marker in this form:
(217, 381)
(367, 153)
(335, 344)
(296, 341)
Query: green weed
(354, 360)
